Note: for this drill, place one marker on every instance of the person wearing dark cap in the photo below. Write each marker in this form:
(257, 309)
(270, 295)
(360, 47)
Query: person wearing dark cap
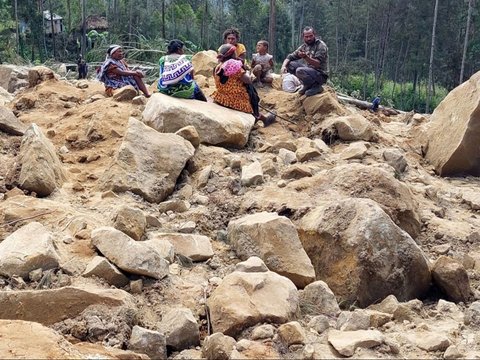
(116, 74)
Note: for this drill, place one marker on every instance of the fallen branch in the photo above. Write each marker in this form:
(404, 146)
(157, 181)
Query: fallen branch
(27, 218)
(365, 105)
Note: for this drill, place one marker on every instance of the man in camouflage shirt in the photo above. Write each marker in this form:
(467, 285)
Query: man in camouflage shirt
(309, 63)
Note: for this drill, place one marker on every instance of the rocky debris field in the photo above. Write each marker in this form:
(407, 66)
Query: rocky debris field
(176, 229)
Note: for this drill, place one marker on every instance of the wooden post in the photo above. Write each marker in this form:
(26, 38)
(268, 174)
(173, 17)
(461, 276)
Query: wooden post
(271, 28)
(432, 52)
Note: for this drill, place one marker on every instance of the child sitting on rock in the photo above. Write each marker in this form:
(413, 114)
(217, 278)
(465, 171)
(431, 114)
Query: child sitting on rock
(262, 64)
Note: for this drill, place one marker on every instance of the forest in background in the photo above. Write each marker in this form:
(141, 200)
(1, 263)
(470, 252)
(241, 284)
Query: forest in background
(410, 52)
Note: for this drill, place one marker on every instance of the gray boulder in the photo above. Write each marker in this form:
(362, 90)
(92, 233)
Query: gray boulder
(100, 267)
(148, 342)
(181, 329)
(245, 299)
(41, 170)
(13, 77)
(10, 124)
(216, 125)
(454, 130)
(132, 256)
(29, 248)
(275, 240)
(147, 163)
(361, 254)
(131, 222)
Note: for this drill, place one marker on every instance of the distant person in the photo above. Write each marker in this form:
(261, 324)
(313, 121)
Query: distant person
(232, 36)
(234, 86)
(262, 64)
(82, 68)
(375, 103)
(177, 74)
(115, 74)
(309, 63)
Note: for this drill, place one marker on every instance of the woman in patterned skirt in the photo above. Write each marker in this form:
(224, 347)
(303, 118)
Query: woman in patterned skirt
(177, 75)
(234, 86)
(115, 73)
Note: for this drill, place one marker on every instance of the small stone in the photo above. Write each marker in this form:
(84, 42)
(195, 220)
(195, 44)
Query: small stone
(77, 187)
(292, 333)
(442, 249)
(452, 353)
(51, 133)
(252, 174)
(218, 347)
(235, 162)
(148, 342)
(263, 332)
(187, 228)
(83, 234)
(222, 235)
(35, 275)
(71, 137)
(178, 206)
(136, 286)
(432, 342)
(139, 100)
(67, 239)
(153, 221)
(92, 158)
(125, 93)
(281, 184)
(17, 282)
(201, 199)
(109, 194)
(319, 323)
(253, 264)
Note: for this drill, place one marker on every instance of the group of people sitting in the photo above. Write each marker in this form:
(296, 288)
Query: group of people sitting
(305, 70)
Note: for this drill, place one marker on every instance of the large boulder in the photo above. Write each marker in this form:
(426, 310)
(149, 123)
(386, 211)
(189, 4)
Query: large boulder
(180, 328)
(452, 279)
(204, 62)
(344, 181)
(275, 240)
(31, 340)
(245, 299)
(41, 170)
(130, 221)
(51, 306)
(361, 254)
(317, 298)
(152, 343)
(132, 256)
(10, 124)
(196, 247)
(147, 163)
(100, 267)
(39, 74)
(348, 128)
(375, 183)
(324, 103)
(29, 248)
(13, 77)
(454, 131)
(216, 125)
